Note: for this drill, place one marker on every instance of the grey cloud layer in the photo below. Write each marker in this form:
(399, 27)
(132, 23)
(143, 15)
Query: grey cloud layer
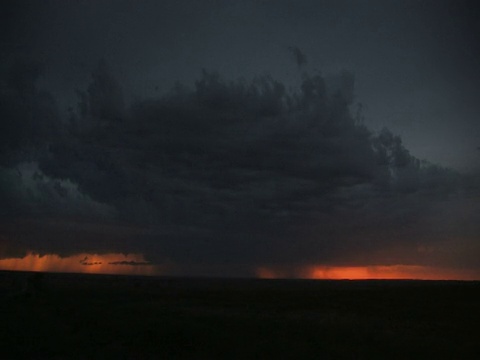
(227, 172)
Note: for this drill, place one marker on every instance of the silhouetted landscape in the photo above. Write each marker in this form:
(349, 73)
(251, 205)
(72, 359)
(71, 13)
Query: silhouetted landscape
(78, 316)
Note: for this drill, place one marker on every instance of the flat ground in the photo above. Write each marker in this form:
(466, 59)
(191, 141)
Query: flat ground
(69, 316)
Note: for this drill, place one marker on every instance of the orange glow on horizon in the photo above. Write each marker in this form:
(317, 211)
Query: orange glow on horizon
(385, 272)
(83, 263)
(135, 264)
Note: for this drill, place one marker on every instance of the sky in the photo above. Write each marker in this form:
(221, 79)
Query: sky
(317, 139)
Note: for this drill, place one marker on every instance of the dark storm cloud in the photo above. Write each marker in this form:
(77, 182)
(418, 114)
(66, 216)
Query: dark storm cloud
(237, 172)
(415, 61)
(226, 172)
(29, 116)
(29, 124)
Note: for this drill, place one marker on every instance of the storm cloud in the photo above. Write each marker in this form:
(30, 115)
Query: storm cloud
(221, 174)
(225, 172)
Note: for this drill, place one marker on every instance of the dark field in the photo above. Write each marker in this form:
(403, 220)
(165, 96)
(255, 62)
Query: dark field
(69, 316)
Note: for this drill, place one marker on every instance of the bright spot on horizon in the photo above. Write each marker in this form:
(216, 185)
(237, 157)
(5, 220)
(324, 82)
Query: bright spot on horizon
(384, 272)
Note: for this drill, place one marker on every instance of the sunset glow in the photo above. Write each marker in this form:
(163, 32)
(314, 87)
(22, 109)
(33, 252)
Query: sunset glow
(112, 263)
(414, 272)
(135, 264)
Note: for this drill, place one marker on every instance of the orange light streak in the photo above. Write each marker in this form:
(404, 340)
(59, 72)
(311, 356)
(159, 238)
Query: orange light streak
(82, 263)
(386, 272)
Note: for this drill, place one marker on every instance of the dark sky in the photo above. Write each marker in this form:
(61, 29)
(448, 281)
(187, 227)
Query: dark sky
(219, 136)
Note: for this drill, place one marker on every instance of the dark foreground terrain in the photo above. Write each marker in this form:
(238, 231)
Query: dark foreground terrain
(69, 316)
